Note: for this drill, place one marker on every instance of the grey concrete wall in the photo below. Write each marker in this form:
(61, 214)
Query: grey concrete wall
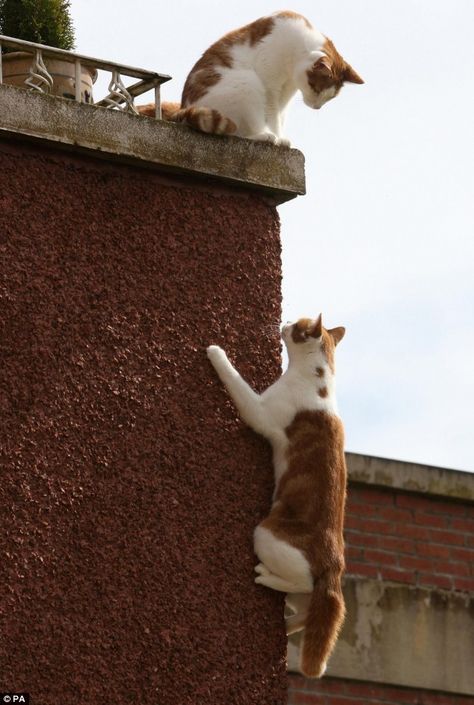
(405, 636)
(277, 172)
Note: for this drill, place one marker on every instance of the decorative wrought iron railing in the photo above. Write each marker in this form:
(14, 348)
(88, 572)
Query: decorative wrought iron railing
(120, 96)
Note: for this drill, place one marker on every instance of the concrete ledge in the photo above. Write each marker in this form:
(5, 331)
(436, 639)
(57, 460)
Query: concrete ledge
(276, 171)
(411, 477)
(405, 636)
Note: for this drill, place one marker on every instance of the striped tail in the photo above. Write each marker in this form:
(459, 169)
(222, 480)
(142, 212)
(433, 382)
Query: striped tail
(325, 617)
(206, 120)
(200, 118)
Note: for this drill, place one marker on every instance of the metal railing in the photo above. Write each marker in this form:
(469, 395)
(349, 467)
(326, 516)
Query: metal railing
(120, 96)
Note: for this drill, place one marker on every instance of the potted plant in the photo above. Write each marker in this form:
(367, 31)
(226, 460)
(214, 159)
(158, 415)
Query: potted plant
(44, 22)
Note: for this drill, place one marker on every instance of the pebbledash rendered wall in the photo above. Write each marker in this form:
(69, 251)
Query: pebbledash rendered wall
(129, 489)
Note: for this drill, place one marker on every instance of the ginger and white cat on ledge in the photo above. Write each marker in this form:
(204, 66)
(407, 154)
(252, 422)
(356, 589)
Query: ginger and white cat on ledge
(243, 83)
(300, 544)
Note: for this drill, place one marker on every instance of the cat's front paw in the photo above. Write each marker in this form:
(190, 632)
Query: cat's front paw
(284, 142)
(214, 352)
(265, 137)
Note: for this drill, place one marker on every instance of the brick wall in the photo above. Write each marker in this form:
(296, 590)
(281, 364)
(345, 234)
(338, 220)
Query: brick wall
(333, 691)
(410, 538)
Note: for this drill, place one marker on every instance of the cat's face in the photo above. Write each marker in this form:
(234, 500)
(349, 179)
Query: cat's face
(325, 77)
(308, 336)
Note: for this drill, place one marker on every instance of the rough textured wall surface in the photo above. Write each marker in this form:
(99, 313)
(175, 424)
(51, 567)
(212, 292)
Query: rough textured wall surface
(129, 488)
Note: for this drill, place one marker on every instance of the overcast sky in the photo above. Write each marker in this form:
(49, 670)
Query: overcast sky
(383, 241)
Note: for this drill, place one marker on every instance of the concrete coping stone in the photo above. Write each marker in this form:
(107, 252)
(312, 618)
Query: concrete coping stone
(411, 477)
(276, 172)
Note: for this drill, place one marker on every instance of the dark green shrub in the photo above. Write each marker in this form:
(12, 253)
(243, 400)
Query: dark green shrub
(42, 21)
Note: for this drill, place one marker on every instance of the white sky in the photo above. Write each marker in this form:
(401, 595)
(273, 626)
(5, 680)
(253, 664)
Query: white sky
(383, 241)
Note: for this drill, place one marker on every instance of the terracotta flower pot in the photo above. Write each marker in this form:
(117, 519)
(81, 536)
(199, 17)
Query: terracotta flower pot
(16, 70)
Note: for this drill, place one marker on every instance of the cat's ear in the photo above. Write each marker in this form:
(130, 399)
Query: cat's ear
(337, 334)
(323, 66)
(316, 329)
(351, 76)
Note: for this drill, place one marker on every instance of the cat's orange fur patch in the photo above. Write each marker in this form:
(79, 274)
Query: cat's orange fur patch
(329, 348)
(323, 392)
(319, 372)
(314, 482)
(308, 513)
(204, 75)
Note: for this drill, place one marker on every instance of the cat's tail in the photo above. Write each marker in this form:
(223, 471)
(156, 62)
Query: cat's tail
(200, 118)
(168, 110)
(325, 616)
(206, 120)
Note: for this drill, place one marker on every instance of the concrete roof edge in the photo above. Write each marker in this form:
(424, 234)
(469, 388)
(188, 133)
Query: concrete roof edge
(277, 172)
(410, 477)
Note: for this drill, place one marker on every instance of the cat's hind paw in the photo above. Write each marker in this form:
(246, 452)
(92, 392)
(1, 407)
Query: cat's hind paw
(261, 569)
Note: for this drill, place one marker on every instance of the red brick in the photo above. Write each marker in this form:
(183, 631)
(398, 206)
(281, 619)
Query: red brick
(380, 557)
(368, 571)
(371, 526)
(343, 700)
(393, 543)
(331, 685)
(427, 698)
(431, 506)
(399, 576)
(365, 495)
(463, 525)
(353, 553)
(358, 510)
(296, 681)
(470, 541)
(356, 538)
(367, 690)
(300, 698)
(404, 696)
(441, 581)
(458, 509)
(434, 550)
(461, 554)
(413, 531)
(447, 537)
(453, 568)
(464, 584)
(431, 520)
(417, 563)
(394, 514)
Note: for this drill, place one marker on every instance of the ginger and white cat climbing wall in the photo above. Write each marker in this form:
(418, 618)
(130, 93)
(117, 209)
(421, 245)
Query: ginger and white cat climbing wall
(300, 545)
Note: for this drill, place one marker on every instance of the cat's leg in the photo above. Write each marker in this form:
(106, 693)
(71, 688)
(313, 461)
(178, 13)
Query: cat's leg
(299, 604)
(240, 96)
(248, 402)
(276, 583)
(275, 118)
(287, 569)
(254, 121)
(295, 623)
